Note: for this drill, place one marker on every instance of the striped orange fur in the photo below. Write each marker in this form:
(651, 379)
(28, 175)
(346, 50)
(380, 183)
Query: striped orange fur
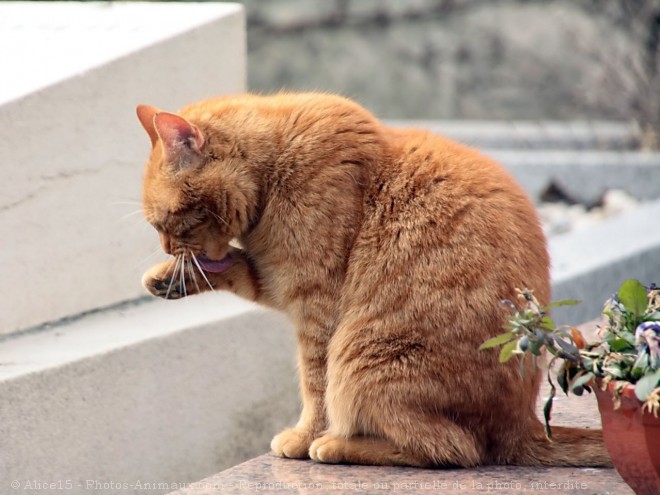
(389, 250)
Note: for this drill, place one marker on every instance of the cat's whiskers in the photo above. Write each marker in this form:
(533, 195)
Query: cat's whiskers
(130, 214)
(141, 208)
(215, 215)
(182, 274)
(148, 257)
(191, 271)
(121, 203)
(202, 272)
(174, 270)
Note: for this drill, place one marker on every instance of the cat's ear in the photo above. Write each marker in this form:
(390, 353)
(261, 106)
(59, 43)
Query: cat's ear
(182, 141)
(146, 115)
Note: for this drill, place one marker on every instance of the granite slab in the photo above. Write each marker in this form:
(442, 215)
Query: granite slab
(268, 474)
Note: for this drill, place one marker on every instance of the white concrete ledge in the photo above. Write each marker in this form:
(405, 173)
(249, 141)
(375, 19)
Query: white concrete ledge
(168, 391)
(72, 149)
(584, 159)
(534, 135)
(590, 264)
(584, 175)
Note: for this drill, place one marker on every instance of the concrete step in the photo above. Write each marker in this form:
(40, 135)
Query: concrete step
(135, 391)
(533, 135)
(590, 264)
(584, 176)
(151, 390)
(73, 154)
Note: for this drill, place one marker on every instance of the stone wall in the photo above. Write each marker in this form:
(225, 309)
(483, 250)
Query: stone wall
(483, 59)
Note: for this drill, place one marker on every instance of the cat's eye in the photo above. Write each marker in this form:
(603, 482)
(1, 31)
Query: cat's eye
(158, 226)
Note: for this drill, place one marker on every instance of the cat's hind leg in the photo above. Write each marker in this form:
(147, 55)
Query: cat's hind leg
(388, 404)
(443, 444)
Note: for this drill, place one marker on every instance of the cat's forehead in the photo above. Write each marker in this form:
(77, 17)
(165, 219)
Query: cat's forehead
(162, 194)
(161, 203)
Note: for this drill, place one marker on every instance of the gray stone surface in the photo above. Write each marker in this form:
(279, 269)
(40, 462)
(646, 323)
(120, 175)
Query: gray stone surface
(270, 475)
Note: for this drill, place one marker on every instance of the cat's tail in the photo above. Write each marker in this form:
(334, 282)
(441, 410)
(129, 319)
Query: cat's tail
(568, 447)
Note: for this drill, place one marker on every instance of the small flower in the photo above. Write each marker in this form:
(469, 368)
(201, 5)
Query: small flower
(654, 299)
(616, 313)
(528, 298)
(617, 393)
(647, 334)
(652, 403)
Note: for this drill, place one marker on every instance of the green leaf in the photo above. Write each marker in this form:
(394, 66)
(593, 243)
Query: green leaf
(632, 295)
(587, 363)
(547, 408)
(547, 323)
(655, 316)
(499, 340)
(534, 348)
(507, 351)
(646, 384)
(614, 370)
(582, 380)
(567, 346)
(628, 336)
(565, 302)
(619, 345)
(640, 365)
(562, 380)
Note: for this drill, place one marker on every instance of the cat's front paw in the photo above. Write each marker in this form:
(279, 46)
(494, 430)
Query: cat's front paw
(163, 280)
(293, 443)
(328, 449)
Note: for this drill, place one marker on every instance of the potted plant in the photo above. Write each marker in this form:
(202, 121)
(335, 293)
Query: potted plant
(622, 367)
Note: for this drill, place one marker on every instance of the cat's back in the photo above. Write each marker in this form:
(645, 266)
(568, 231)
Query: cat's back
(422, 156)
(456, 215)
(433, 177)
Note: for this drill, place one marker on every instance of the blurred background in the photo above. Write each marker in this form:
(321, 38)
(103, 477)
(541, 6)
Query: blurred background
(465, 59)
(477, 59)
(99, 382)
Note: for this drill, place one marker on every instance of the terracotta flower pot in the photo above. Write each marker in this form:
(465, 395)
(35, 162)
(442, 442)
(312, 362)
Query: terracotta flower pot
(632, 438)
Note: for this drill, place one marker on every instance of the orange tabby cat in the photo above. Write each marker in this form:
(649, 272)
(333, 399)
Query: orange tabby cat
(390, 250)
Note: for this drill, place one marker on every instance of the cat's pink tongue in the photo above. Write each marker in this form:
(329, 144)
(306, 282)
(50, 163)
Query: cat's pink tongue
(214, 266)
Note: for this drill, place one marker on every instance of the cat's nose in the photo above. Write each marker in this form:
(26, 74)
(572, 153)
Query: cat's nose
(166, 243)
